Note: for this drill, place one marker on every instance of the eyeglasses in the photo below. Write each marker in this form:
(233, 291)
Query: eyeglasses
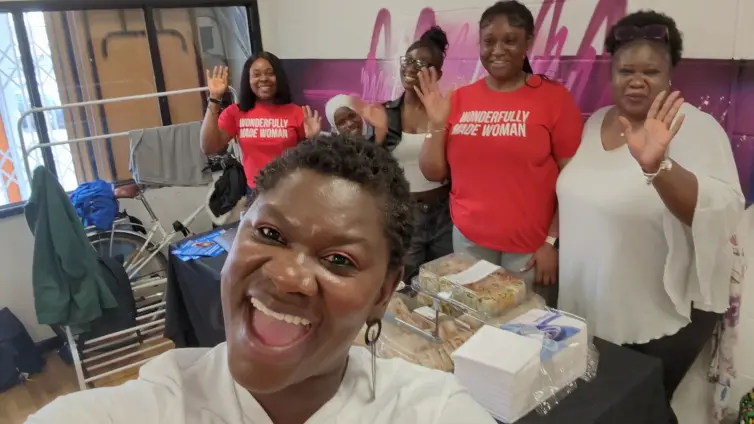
(407, 61)
(650, 32)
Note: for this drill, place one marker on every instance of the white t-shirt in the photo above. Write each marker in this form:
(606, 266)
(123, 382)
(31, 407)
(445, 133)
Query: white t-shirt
(194, 386)
(627, 264)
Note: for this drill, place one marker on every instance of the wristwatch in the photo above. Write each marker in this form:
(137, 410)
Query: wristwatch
(552, 241)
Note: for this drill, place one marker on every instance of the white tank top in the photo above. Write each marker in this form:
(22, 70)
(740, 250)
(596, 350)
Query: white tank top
(407, 155)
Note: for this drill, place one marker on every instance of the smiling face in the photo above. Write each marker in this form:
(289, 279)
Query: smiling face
(308, 268)
(414, 61)
(348, 122)
(641, 70)
(262, 79)
(503, 48)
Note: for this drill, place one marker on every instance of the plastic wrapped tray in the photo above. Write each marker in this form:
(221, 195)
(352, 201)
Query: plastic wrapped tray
(409, 331)
(481, 286)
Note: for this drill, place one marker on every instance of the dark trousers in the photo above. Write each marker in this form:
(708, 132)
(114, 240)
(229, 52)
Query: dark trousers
(432, 237)
(679, 351)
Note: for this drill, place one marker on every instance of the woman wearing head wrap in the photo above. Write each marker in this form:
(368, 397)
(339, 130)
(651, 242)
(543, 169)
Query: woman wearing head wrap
(343, 119)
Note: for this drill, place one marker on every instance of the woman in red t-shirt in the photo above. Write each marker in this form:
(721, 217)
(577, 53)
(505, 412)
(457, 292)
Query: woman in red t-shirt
(502, 141)
(265, 120)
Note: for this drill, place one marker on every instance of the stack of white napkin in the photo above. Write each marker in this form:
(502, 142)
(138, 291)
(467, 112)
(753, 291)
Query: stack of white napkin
(503, 369)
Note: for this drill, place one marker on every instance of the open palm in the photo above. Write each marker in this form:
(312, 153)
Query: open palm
(217, 81)
(649, 144)
(373, 113)
(312, 122)
(436, 103)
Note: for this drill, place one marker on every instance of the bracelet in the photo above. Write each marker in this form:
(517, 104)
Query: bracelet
(431, 131)
(215, 101)
(665, 165)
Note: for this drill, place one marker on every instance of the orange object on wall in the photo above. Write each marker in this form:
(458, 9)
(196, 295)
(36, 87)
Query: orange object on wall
(13, 191)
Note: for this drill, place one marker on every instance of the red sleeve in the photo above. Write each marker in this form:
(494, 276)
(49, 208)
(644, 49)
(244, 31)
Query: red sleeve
(567, 128)
(298, 118)
(229, 119)
(453, 116)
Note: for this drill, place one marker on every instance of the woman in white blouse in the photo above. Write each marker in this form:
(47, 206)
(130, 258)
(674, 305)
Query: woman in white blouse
(647, 206)
(317, 256)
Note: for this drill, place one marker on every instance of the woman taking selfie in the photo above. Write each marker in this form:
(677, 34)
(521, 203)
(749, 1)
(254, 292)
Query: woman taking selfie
(647, 206)
(401, 126)
(502, 141)
(264, 120)
(318, 256)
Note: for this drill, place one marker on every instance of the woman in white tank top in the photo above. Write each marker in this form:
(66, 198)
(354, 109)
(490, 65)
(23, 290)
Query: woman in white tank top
(400, 126)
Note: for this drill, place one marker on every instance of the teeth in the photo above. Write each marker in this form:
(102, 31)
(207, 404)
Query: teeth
(291, 319)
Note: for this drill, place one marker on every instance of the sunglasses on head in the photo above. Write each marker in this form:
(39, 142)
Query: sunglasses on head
(649, 32)
(407, 61)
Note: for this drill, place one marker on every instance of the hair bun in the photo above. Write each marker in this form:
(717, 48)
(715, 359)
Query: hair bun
(438, 37)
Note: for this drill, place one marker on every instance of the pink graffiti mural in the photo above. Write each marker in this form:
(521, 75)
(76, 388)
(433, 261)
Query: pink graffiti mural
(723, 88)
(379, 78)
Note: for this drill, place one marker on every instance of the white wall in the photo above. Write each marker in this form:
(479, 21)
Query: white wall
(342, 29)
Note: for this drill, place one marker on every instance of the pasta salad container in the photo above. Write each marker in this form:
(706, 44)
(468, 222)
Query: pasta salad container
(422, 334)
(482, 287)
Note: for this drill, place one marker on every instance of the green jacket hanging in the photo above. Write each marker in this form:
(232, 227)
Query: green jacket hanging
(67, 284)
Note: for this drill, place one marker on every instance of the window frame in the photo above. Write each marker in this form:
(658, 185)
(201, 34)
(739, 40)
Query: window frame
(17, 9)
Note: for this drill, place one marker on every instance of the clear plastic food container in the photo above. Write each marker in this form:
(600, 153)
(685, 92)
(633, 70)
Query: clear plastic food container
(481, 286)
(409, 331)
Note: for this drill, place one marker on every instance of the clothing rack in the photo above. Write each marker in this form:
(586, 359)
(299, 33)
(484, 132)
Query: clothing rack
(26, 152)
(93, 356)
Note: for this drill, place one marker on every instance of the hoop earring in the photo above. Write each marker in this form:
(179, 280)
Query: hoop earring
(374, 329)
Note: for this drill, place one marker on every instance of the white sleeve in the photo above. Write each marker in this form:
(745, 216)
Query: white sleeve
(699, 263)
(132, 402)
(462, 408)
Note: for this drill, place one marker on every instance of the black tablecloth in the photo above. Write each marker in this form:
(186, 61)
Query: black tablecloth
(194, 316)
(627, 389)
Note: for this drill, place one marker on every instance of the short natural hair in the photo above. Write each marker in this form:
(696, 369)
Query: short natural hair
(354, 159)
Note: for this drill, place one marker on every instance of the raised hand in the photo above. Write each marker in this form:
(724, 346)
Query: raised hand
(217, 81)
(373, 113)
(436, 103)
(312, 122)
(649, 144)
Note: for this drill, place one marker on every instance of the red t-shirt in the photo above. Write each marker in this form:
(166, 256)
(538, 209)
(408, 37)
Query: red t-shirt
(263, 132)
(501, 149)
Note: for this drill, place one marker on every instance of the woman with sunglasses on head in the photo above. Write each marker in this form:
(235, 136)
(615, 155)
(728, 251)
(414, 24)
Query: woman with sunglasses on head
(502, 141)
(647, 206)
(401, 126)
(318, 255)
(265, 120)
